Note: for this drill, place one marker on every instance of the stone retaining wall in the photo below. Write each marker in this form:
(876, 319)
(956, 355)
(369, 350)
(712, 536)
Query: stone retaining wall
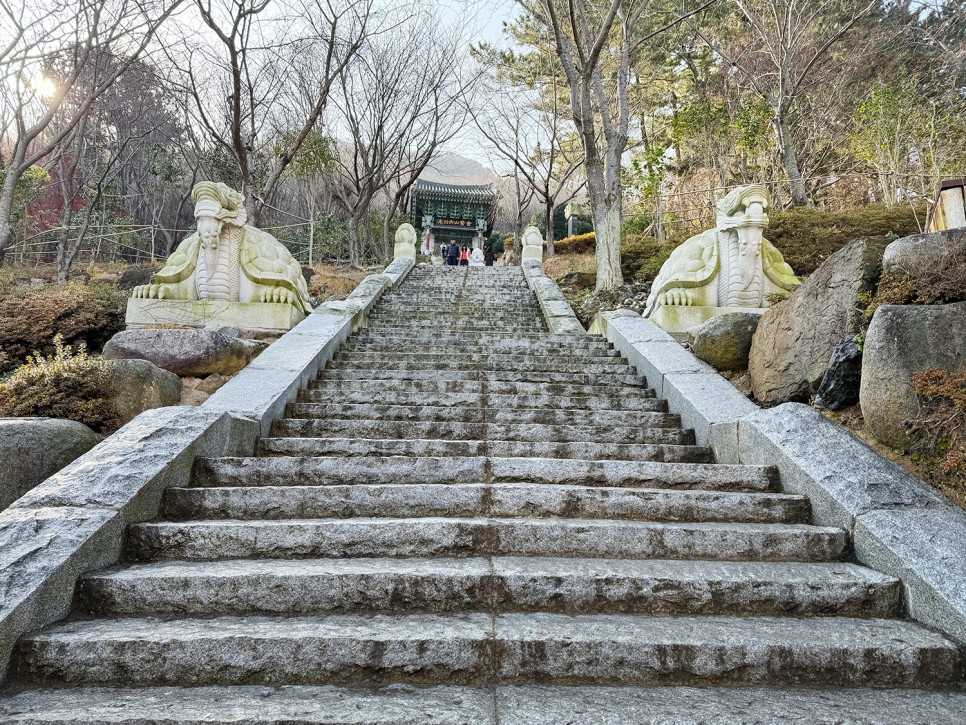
(899, 525)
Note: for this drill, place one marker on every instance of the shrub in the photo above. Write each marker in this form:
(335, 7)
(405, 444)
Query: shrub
(938, 429)
(642, 257)
(68, 384)
(30, 318)
(807, 236)
(579, 244)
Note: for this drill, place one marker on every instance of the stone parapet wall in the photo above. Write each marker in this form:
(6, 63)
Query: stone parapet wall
(75, 521)
(558, 313)
(899, 525)
(264, 387)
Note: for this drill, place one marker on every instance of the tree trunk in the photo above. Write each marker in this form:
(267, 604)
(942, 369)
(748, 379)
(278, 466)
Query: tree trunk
(607, 223)
(549, 211)
(7, 193)
(354, 256)
(790, 162)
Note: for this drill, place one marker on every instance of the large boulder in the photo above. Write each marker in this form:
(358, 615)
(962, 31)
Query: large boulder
(903, 340)
(139, 385)
(33, 449)
(725, 341)
(188, 353)
(795, 339)
(920, 252)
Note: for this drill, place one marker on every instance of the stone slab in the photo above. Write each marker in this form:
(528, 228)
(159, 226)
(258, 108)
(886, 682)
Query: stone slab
(253, 705)
(842, 477)
(926, 548)
(557, 312)
(128, 471)
(256, 316)
(676, 321)
(43, 551)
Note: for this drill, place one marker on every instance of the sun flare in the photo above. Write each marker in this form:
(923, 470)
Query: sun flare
(43, 87)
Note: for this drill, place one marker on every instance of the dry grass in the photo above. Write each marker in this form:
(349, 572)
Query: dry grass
(561, 264)
(335, 282)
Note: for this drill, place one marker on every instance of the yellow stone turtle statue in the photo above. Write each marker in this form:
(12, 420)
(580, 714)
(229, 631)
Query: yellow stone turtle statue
(227, 260)
(728, 267)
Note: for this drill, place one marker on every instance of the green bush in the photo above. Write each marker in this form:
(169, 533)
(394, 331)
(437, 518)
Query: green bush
(30, 318)
(807, 236)
(642, 257)
(68, 384)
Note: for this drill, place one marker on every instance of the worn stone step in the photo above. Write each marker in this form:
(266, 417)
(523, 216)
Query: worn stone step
(506, 705)
(375, 537)
(489, 414)
(464, 368)
(501, 500)
(485, 649)
(547, 340)
(480, 357)
(320, 471)
(603, 380)
(502, 584)
(587, 450)
(429, 428)
(434, 389)
(430, 351)
(414, 394)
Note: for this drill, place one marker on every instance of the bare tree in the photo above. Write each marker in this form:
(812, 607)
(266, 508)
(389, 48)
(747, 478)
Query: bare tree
(397, 107)
(790, 42)
(524, 123)
(72, 36)
(259, 85)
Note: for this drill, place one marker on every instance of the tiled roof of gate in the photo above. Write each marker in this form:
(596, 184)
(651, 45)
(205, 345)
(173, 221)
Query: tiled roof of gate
(454, 192)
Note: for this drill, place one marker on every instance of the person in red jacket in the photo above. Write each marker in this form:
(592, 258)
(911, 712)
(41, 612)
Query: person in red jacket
(464, 256)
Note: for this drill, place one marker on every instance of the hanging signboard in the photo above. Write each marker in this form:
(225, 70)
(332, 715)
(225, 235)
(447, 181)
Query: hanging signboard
(455, 223)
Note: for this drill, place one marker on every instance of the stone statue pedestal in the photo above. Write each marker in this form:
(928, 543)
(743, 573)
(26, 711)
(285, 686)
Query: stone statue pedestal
(676, 321)
(276, 317)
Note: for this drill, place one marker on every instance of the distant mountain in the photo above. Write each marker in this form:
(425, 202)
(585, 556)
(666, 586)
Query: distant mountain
(456, 169)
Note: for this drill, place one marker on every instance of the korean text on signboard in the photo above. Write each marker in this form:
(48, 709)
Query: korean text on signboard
(457, 223)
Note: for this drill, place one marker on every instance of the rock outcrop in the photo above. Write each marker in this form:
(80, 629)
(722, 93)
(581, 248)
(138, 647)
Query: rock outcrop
(795, 339)
(840, 386)
(139, 385)
(724, 342)
(920, 251)
(32, 449)
(188, 353)
(902, 340)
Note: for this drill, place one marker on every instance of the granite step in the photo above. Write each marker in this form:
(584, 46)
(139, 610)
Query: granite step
(586, 450)
(468, 537)
(483, 649)
(322, 471)
(429, 428)
(602, 379)
(498, 500)
(433, 350)
(503, 584)
(454, 365)
(480, 357)
(563, 343)
(433, 389)
(578, 415)
(506, 705)
(355, 393)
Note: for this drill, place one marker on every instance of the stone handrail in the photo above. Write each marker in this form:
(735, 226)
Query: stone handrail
(74, 522)
(556, 310)
(899, 525)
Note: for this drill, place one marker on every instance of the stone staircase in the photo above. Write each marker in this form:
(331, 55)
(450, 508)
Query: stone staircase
(466, 519)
